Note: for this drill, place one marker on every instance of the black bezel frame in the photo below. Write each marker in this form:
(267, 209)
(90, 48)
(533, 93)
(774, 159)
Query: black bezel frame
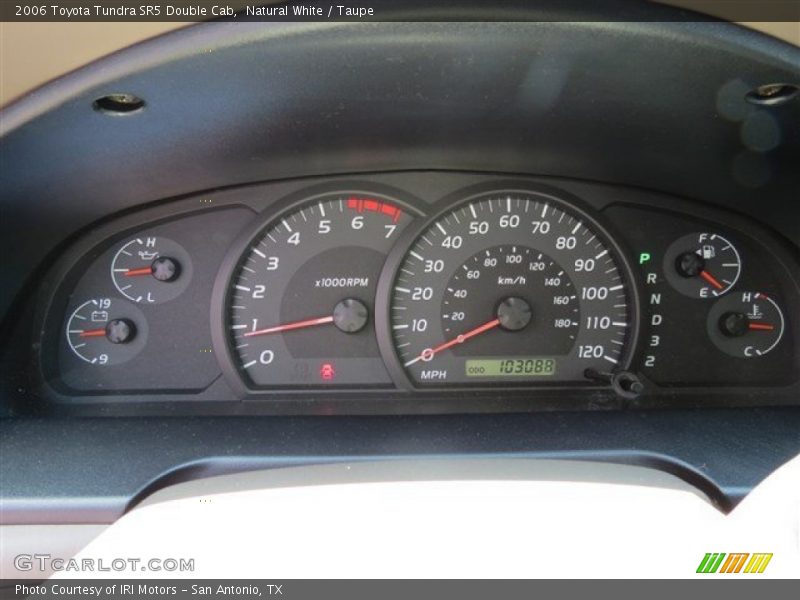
(221, 399)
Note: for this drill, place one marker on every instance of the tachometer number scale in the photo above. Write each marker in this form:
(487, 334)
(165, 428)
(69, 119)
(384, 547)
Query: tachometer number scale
(301, 301)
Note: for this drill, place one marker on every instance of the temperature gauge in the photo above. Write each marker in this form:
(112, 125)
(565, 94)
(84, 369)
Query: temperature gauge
(103, 331)
(745, 324)
(702, 265)
(151, 270)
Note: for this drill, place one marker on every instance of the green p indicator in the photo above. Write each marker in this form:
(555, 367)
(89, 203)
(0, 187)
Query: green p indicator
(644, 258)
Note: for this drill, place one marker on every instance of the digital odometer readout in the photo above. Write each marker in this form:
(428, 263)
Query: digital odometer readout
(510, 367)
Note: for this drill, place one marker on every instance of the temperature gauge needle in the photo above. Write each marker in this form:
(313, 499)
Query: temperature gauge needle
(429, 353)
(711, 279)
(760, 327)
(291, 326)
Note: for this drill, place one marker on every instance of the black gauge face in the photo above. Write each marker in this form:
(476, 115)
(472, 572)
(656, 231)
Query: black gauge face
(510, 287)
(106, 331)
(301, 302)
(702, 265)
(746, 324)
(151, 269)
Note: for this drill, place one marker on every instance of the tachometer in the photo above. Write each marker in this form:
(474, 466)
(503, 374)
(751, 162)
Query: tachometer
(512, 287)
(301, 301)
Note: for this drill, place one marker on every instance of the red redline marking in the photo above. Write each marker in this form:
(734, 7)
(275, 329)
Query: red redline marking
(372, 205)
(711, 279)
(93, 333)
(139, 272)
(291, 326)
(760, 327)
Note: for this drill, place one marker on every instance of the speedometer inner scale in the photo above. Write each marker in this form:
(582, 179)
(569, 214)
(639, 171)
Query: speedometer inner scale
(509, 287)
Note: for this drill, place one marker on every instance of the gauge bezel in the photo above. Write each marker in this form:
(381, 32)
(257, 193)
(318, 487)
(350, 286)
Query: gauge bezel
(220, 307)
(565, 201)
(223, 397)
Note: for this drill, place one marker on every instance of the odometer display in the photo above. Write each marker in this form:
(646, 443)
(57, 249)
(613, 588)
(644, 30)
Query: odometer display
(506, 286)
(510, 367)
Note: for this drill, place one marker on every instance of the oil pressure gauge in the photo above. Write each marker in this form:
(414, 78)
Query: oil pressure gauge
(151, 270)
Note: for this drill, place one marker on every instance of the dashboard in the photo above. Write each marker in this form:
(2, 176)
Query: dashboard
(252, 245)
(407, 291)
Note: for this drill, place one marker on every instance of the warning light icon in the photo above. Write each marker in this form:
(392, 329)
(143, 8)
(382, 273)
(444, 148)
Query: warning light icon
(327, 372)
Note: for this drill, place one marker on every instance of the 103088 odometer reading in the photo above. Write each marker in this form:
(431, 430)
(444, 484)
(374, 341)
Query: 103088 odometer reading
(504, 287)
(510, 367)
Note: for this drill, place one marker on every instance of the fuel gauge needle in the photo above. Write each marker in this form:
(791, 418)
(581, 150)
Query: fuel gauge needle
(291, 326)
(711, 279)
(429, 353)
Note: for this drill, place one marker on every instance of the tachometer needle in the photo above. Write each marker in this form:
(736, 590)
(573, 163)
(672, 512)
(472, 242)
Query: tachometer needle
(290, 326)
(429, 353)
(711, 279)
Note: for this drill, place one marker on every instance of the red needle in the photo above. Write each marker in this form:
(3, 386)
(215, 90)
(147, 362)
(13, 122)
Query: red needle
(760, 326)
(429, 353)
(93, 333)
(138, 272)
(711, 279)
(290, 326)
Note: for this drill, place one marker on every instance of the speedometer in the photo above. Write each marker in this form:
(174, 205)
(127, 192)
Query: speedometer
(513, 287)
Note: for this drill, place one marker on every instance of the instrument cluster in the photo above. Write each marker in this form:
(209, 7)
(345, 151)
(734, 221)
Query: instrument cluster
(425, 291)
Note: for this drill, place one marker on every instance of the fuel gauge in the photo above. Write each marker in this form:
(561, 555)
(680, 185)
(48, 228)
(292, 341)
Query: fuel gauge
(702, 265)
(745, 324)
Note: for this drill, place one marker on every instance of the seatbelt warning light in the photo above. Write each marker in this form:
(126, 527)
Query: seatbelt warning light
(327, 372)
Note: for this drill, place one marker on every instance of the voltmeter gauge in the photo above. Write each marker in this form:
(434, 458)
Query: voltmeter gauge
(151, 269)
(746, 324)
(106, 331)
(702, 265)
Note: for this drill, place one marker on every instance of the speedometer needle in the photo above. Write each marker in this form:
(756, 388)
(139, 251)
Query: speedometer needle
(429, 353)
(290, 326)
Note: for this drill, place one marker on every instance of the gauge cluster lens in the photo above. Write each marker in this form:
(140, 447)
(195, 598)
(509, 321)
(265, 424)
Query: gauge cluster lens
(365, 291)
(301, 302)
(510, 287)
